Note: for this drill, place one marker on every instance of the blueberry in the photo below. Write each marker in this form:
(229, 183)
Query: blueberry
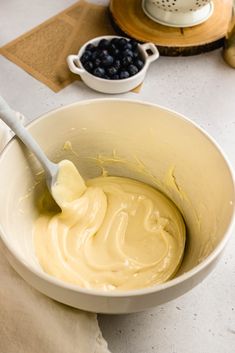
(124, 74)
(122, 42)
(95, 55)
(113, 50)
(139, 63)
(107, 61)
(111, 46)
(99, 72)
(128, 46)
(103, 53)
(87, 53)
(115, 77)
(126, 61)
(103, 44)
(111, 71)
(117, 64)
(133, 70)
(136, 54)
(86, 56)
(97, 62)
(88, 66)
(127, 52)
(134, 44)
(114, 41)
(90, 47)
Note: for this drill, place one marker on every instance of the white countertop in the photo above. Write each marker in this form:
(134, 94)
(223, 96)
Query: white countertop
(201, 87)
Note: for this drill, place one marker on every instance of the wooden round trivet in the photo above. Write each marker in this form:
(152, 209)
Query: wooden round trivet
(129, 19)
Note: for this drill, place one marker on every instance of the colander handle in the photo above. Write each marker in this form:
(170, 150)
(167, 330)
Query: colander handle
(71, 60)
(151, 52)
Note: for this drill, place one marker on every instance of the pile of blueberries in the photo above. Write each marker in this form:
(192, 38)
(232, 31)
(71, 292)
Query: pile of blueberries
(112, 59)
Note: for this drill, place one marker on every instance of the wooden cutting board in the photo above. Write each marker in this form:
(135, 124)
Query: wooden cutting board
(130, 20)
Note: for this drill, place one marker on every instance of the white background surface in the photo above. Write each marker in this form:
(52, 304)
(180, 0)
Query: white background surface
(201, 87)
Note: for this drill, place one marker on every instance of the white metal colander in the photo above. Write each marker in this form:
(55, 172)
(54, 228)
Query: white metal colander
(178, 13)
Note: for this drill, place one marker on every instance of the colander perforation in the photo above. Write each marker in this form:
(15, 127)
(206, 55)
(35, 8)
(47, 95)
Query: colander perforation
(172, 5)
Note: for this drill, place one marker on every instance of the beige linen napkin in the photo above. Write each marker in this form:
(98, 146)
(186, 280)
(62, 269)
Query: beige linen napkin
(33, 323)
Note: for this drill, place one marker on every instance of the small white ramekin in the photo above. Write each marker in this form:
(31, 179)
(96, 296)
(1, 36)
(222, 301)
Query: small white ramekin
(148, 52)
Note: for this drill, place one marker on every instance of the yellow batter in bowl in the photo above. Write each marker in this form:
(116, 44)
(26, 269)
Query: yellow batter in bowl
(119, 234)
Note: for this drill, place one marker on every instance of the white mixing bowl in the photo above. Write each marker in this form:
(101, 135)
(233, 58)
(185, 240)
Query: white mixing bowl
(134, 139)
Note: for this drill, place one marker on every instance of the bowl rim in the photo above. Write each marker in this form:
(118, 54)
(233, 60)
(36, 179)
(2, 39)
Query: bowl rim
(146, 290)
(95, 39)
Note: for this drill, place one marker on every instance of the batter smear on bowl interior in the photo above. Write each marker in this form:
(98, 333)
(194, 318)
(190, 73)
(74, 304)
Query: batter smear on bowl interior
(119, 234)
